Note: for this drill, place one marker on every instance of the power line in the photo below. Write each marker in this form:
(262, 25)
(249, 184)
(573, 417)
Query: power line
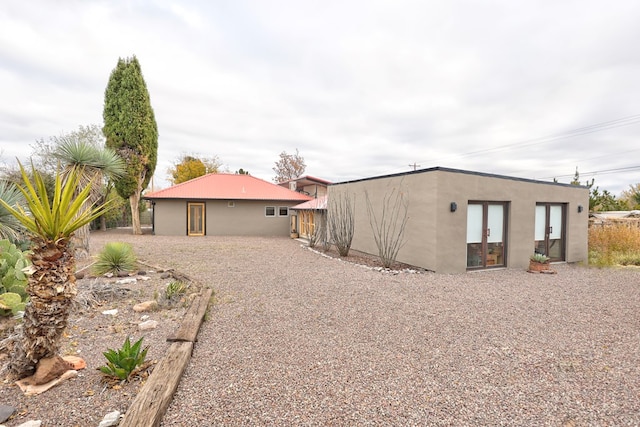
(600, 172)
(585, 130)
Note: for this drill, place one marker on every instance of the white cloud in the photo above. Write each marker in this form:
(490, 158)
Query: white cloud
(361, 88)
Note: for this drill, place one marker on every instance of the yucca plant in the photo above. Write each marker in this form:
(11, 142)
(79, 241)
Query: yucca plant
(95, 164)
(123, 362)
(52, 286)
(114, 258)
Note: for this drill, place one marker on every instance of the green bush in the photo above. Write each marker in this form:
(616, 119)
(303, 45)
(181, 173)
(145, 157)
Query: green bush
(175, 289)
(13, 279)
(115, 257)
(122, 363)
(627, 258)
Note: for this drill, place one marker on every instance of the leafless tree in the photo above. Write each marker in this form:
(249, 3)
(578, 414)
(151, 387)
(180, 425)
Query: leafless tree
(388, 227)
(290, 166)
(341, 220)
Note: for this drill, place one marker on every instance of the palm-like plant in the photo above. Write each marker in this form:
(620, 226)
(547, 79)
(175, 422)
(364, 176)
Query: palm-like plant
(52, 285)
(95, 164)
(10, 227)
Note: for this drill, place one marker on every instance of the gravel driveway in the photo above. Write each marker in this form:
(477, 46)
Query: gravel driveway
(295, 338)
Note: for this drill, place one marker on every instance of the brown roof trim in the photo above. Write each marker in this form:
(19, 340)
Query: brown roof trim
(460, 171)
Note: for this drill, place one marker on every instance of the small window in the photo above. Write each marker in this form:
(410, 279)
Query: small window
(231, 204)
(283, 211)
(270, 211)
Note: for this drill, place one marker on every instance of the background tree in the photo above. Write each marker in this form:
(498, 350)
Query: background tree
(51, 285)
(131, 131)
(192, 166)
(632, 196)
(289, 166)
(600, 201)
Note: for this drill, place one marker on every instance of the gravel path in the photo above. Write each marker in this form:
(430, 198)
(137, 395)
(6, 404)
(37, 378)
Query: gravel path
(295, 338)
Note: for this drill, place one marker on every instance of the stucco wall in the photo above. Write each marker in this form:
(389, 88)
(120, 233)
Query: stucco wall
(435, 237)
(246, 218)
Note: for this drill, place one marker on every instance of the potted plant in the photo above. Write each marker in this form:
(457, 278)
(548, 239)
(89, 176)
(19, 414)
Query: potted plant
(538, 262)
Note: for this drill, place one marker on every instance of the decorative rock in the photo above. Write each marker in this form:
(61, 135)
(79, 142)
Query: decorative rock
(49, 369)
(5, 412)
(75, 362)
(144, 317)
(111, 312)
(123, 274)
(147, 325)
(126, 281)
(111, 419)
(144, 278)
(142, 273)
(146, 306)
(165, 275)
(31, 423)
(80, 275)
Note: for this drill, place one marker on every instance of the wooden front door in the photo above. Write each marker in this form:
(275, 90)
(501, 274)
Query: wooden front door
(195, 219)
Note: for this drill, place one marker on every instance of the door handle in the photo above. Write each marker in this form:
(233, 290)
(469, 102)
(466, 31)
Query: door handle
(488, 232)
(550, 230)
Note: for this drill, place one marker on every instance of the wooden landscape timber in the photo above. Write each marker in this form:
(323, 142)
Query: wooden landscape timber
(151, 403)
(190, 325)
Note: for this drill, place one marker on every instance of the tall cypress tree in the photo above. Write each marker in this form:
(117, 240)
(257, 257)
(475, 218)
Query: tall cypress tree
(131, 130)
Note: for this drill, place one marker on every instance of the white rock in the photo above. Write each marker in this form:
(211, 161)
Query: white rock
(149, 324)
(144, 317)
(111, 312)
(31, 423)
(126, 281)
(144, 278)
(111, 419)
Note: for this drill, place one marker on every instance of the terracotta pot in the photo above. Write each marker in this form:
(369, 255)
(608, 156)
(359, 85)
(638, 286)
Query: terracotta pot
(538, 266)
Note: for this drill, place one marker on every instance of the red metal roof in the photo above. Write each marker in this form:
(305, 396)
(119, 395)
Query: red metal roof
(315, 204)
(227, 187)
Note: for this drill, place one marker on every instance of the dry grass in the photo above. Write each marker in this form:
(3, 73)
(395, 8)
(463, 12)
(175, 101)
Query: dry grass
(615, 244)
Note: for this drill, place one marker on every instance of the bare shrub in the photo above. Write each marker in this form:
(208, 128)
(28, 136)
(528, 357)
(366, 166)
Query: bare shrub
(388, 228)
(340, 221)
(318, 235)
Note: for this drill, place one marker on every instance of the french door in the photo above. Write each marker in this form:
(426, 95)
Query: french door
(195, 219)
(549, 230)
(486, 231)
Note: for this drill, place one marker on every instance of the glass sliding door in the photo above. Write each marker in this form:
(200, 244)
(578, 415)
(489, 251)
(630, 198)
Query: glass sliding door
(486, 226)
(549, 230)
(195, 219)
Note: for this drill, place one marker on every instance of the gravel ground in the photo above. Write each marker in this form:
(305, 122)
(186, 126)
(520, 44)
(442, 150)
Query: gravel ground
(295, 338)
(298, 339)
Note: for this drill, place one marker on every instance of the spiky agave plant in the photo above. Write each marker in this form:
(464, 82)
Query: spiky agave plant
(52, 284)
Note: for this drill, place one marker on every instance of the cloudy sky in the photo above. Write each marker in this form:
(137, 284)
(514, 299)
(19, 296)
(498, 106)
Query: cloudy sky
(361, 88)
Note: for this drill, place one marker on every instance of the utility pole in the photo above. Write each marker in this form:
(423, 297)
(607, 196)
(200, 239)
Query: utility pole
(414, 166)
